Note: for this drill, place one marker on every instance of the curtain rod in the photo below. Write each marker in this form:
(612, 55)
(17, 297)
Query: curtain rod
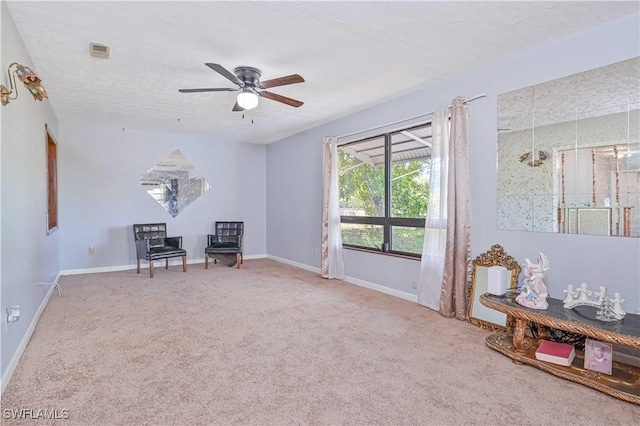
(406, 119)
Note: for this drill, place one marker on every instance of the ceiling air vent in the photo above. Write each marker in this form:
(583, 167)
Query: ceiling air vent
(99, 50)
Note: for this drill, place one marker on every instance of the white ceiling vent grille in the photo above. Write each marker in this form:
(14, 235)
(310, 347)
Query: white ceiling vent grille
(98, 50)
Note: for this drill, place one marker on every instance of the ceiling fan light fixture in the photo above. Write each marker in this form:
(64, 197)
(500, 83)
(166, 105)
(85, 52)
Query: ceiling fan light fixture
(251, 88)
(247, 99)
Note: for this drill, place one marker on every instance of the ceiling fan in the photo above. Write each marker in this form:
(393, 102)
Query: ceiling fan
(248, 81)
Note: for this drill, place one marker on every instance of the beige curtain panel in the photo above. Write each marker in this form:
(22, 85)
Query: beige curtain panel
(457, 267)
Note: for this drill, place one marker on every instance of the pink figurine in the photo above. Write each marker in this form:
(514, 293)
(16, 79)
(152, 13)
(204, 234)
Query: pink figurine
(534, 291)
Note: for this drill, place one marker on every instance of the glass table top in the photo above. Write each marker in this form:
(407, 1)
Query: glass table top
(586, 315)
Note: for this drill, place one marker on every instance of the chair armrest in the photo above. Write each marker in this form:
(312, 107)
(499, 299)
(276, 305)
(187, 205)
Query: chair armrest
(142, 248)
(173, 241)
(240, 242)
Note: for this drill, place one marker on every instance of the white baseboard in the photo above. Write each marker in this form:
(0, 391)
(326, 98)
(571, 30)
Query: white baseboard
(293, 263)
(351, 280)
(97, 270)
(248, 257)
(27, 336)
(382, 289)
(143, 265)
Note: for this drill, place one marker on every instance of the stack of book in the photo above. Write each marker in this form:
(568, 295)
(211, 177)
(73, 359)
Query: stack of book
(556, 353)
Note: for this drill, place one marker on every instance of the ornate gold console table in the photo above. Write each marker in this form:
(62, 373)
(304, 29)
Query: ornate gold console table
(624, 383)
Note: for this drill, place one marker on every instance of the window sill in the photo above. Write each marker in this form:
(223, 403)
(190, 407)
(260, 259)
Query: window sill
(383, 253)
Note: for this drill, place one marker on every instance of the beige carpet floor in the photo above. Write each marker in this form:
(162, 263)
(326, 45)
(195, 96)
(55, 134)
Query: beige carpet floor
(271, 344)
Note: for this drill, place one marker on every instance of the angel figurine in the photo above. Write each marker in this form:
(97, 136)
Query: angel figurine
(617, 306)
(534, 291)
(571, 294)
(584, 292)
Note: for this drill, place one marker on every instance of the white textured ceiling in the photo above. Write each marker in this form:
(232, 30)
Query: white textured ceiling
(352, 55)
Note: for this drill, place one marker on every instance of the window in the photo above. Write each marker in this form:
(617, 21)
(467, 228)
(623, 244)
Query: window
(384, 188)
(52, 184)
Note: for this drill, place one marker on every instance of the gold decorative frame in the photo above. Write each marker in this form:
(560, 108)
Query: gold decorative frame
(496, 256)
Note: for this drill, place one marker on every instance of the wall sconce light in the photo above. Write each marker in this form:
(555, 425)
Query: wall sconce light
(30, 80)
(533, 162)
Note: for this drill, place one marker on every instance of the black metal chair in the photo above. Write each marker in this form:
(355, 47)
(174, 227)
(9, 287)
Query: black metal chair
(152, 244)
(226, 241)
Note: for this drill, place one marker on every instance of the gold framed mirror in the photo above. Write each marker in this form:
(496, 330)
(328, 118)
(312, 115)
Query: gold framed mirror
(477, 313)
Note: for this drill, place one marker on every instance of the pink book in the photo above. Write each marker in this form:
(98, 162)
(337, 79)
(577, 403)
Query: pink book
(556, 353)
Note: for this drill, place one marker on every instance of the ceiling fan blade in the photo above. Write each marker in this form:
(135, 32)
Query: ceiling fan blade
(282, 81)
(225, 73)
(237, 107)
(213, 89)
(280, 98)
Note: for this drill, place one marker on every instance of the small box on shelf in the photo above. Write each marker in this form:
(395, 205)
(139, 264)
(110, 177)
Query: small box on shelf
(556, 353)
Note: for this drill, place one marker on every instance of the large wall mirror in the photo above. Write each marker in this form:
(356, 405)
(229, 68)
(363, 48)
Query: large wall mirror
(569, 154)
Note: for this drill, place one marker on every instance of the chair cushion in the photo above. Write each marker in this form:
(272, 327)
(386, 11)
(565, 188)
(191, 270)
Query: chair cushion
(164, 252)
(213, 250)
(224, 245)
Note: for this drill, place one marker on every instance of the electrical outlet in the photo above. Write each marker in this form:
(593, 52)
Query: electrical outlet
(13, 313)
(92, 251)
(414, 285)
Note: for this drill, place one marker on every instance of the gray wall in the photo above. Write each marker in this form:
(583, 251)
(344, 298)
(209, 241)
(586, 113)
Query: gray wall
(29, 256)
(294, 172)
(100, 197)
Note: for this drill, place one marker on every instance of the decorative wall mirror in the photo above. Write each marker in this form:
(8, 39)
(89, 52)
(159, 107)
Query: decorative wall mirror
(477, 313)
(569, 154)
(172, 184)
